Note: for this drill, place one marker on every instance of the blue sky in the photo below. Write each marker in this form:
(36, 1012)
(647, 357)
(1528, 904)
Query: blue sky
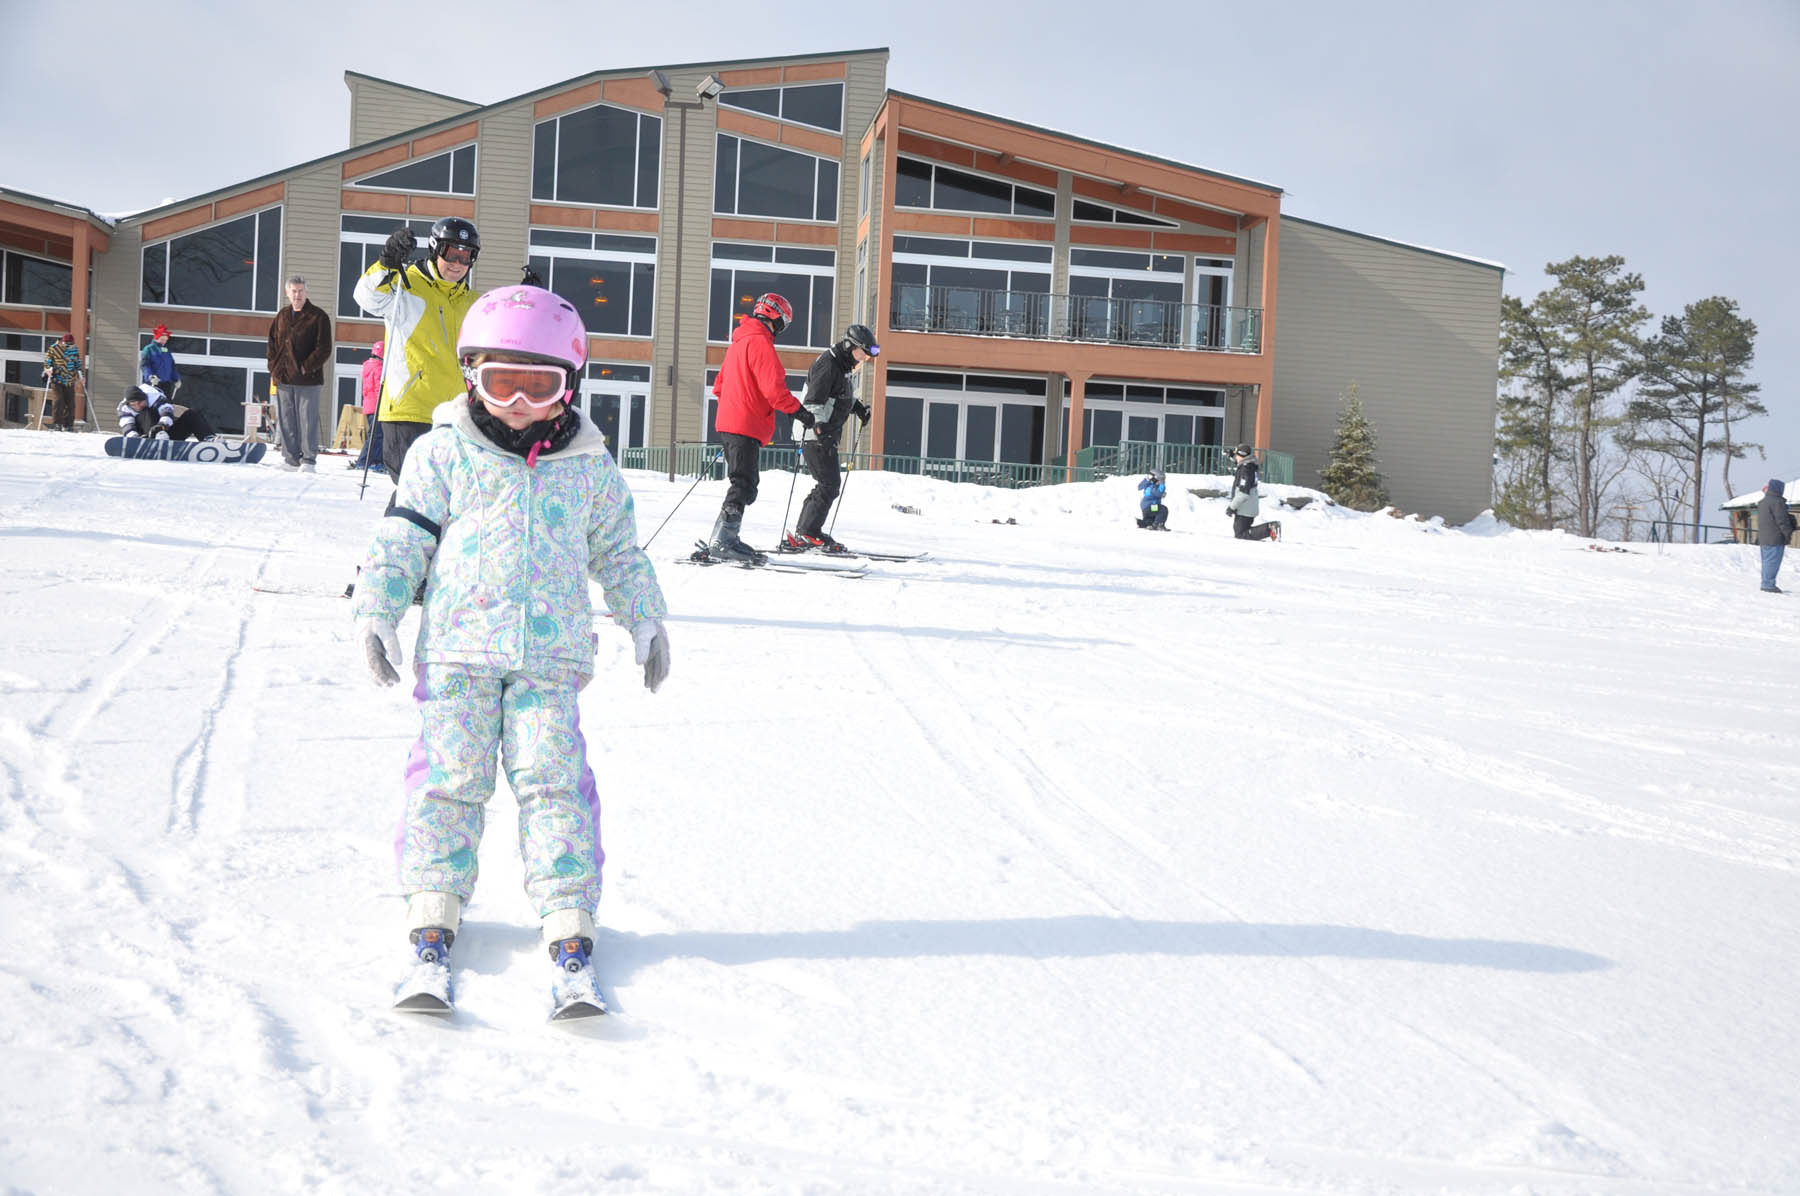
(1523, 133)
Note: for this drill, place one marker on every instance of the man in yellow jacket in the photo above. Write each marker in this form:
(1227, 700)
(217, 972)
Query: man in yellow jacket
(423, 305)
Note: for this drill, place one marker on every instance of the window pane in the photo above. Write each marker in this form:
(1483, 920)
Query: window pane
(766, 100)
(649, 160)
(741, 253)
(213, 267)
(545, 238)
(37, 282)
(597, 157)
(941, 435)
(462, 171)
(719, 315)
(156, 260)
(268, 260)
(978, 444)
(1178, 429)
(1092, 211)
(600, 291)
(217, 392)
(1007, 251)
(775, 182)
(1109, 259)
(930, 246)
(543, 161)
(820, 104)
(353, 258)
(970, 193)
(425, 174)
(806, 257)
(1029, 201)
(725, 175)
(824, 309)
(625, 244)
(1021, 434)
(903, 425)
(1106, 425)
(828, 190)
(643, 298)
(1143, 428)
(912, 184)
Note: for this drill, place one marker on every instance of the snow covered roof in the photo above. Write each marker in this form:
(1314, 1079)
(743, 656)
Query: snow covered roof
(1791, 491)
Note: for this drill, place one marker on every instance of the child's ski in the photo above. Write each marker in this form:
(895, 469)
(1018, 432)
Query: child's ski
(426, 986)
(574, 993)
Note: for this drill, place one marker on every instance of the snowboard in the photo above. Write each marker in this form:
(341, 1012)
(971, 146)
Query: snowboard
(218, 451)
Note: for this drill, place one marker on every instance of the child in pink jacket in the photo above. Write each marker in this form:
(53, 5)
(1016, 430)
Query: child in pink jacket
(371, 399)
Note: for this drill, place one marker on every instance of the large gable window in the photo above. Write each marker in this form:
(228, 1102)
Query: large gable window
(820, 105)
(754, 179)
(598, 155)
(235, 265)
(1099, 213)
(921, 184)
(448, 173)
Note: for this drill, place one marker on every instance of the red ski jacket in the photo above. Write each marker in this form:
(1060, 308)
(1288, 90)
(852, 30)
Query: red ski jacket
(752, 383)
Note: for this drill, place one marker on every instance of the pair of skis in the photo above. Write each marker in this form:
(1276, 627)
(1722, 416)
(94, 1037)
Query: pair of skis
(427, 986)
(705, 556)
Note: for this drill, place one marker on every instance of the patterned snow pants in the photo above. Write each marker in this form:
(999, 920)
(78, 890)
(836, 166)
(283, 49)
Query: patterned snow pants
(532, 724)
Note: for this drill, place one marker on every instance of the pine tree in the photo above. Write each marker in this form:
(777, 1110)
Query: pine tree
(1351, 478)
(1594, 309)
(1695, 389)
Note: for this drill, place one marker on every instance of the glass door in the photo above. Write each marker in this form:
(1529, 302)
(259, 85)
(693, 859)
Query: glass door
(618, 410)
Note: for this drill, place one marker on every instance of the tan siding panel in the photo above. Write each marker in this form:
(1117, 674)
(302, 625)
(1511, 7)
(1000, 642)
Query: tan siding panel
(503, 197)
(1417, 333)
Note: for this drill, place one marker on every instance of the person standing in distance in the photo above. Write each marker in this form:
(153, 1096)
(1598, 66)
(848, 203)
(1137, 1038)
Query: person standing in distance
(62, 366)
(422, 305)
(829, 400)
(751, 388)
(299, 347)
(1774, 528)
(1245, 501)
(156, 365)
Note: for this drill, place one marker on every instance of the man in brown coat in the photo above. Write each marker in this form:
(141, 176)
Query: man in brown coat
(299, 347)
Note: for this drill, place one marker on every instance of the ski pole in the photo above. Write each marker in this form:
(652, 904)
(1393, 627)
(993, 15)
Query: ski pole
(699, 474)
(792, 482)
(855, 433)
(368, 460)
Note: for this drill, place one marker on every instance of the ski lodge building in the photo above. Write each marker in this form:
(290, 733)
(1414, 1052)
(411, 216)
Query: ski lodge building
(1042, 300)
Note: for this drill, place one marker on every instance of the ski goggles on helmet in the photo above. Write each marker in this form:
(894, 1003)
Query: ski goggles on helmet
(510, 383)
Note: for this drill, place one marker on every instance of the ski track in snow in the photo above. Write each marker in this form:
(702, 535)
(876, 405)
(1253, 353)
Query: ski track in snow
(1069, 860)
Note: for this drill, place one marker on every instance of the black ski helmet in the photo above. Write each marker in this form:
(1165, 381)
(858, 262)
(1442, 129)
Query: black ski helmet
(859, 336)
(1243, 450)
(454, 230)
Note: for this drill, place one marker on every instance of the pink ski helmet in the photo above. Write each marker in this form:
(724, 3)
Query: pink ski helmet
(529, 322)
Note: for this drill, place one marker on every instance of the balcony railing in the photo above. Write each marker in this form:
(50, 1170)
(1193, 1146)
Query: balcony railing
(1031, 315)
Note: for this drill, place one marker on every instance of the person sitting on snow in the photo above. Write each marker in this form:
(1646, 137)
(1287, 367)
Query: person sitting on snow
(1155, 515)
(145, 412)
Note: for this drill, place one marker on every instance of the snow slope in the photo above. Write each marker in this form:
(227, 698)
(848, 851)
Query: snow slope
(1076, 859)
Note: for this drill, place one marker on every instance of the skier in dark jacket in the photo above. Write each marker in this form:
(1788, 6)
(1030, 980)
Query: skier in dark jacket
(1244, 501)
(829, 400)
(1774, 528)
(751, 388)
(1153, 513)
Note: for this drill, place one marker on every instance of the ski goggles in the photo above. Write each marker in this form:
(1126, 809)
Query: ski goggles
(508, 383)
(456, 255)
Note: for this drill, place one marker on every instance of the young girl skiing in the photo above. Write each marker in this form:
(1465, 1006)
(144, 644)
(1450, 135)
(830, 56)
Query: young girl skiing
(504, 510)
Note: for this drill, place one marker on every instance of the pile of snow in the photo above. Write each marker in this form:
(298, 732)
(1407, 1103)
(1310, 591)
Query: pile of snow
(1391, 857)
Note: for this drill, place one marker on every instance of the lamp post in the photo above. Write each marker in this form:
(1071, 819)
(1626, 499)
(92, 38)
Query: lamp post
(708, 88)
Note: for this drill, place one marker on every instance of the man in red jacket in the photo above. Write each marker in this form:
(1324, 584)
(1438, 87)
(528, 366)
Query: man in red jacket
(751, 388)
